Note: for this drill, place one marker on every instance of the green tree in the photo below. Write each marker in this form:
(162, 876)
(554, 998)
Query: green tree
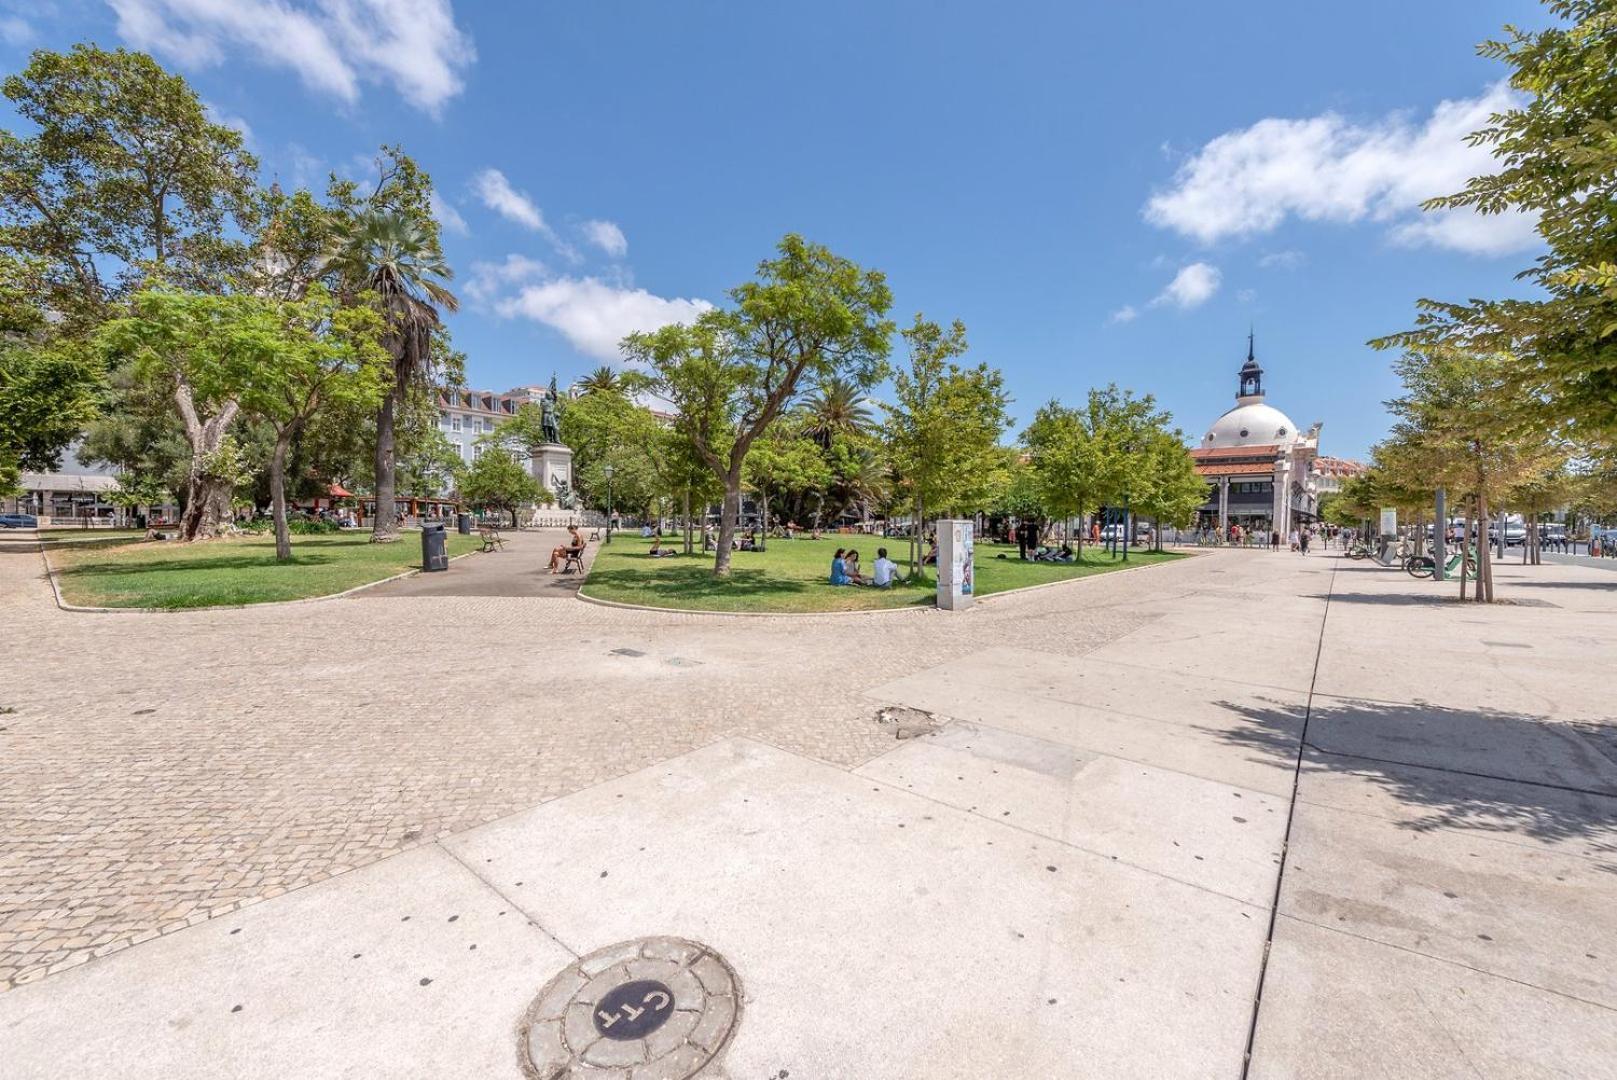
(1460, 422)
(124, 177)
(294, 358)
(497, 481)
(836, 407)
(48, 392)
(785, 459)
(428, 469)
(395, 257)
(1168, 489)
(810, 315)
(1557, 158)
(190, 342)
(602, 380)
(944, 426)
(1094, 456)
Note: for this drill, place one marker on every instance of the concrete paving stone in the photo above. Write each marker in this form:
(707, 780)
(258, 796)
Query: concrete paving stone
(1198, 831)
(1337, 1007)
(1535, 916)
(801, 876)
(330, 981)
(1486, 742)
(1532, 815)
(1220, 704)
(1502, 681)
(1253, 749)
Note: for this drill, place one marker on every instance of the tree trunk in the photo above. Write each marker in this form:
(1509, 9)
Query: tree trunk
(283, 538)
(687, 520)
(1484, 549)
(1466, 538)
(729, 514)
(207, 499)
(385, 529)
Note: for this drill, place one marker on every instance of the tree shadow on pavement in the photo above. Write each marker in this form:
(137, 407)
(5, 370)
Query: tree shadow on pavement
(1479, 770)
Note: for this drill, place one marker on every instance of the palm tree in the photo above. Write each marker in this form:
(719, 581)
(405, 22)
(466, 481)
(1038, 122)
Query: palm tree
(837, 407)
(397, 259)
(602, 379)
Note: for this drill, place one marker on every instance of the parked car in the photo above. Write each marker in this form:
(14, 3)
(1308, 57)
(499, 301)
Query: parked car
(18, 521)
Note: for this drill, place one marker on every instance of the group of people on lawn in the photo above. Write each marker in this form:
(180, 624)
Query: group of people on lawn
(845, 569)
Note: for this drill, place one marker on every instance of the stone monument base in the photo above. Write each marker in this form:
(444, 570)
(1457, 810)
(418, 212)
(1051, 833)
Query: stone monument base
(553, 462)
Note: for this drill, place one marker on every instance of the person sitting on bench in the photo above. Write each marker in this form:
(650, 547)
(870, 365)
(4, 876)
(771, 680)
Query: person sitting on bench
(574, 546)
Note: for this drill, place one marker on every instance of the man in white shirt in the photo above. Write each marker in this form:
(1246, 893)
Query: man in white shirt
(885, 570)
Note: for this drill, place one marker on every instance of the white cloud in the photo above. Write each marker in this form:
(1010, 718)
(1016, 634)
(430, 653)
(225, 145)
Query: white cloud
(608, 237)
(594, 315)
(499, 196)
(496, 192)
(1246, 296)
(1192, 287)
(1282, 260)
(1125, 314)
(15, 31)
(449, 218)
(487, 280)
(1328, 168)
(332, 45)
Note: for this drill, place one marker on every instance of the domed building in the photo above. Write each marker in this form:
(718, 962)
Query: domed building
(1257, 463)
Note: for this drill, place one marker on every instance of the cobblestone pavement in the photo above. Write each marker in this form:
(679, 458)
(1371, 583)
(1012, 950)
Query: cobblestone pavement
(158, 770)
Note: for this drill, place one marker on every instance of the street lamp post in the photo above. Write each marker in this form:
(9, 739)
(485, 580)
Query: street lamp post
(1128, 527)
(608, 471)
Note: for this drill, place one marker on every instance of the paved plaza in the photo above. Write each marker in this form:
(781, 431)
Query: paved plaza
(1245, 803)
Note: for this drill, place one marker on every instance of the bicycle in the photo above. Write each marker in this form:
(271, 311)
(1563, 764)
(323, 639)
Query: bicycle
(1423, 566)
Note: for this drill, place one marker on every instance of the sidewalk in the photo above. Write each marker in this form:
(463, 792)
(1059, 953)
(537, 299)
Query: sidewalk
(1075, 876)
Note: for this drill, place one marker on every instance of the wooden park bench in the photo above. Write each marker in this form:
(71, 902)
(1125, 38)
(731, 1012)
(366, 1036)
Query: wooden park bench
(491, 538)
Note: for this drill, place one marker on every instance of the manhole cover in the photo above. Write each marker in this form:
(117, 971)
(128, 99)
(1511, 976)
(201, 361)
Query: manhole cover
(657, 1008)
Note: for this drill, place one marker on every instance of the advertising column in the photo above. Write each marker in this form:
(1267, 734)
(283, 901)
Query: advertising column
(955, 567)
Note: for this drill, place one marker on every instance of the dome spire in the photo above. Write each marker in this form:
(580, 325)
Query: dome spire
(1251, 375)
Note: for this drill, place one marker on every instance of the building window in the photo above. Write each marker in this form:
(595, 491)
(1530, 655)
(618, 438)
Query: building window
(454, 423)
(477, 451)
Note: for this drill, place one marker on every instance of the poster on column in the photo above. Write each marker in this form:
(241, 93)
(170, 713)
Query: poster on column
(955, 565)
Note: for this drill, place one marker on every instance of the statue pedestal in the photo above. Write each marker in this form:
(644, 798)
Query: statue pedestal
(553, 462)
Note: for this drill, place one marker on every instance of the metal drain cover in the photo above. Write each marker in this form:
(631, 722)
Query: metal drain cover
(655, 1008)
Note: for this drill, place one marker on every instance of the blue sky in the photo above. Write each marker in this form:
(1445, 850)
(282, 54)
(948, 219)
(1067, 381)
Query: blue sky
(1100, 191)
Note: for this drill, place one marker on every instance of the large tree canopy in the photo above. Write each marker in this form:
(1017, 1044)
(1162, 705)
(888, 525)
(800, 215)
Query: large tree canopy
(810, 316)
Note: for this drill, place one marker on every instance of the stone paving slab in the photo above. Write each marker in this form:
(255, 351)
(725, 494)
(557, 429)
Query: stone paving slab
(878, 933)
(1337, 1007)
(410, 968)
(1214, 748)
(1219, 837)
(1421, 799)
(1534, 916)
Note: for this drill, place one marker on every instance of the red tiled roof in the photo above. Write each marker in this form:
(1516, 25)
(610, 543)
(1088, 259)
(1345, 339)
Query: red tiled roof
(1221, 453)
(1236, 468)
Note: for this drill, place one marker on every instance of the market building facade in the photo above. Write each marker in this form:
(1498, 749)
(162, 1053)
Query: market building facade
(1258, 465)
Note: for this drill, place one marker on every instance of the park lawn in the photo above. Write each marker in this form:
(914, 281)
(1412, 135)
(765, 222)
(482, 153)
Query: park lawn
(236, 570)
(791, 576)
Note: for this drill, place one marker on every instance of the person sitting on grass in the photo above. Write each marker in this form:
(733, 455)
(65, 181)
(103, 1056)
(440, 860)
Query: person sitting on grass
(839, 569)
(749, 542)
(658, 551)
(851, 563)
(886, 570)
(931, 556)
(574, 546)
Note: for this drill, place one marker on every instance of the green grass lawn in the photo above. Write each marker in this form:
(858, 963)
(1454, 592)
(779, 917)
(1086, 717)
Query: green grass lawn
(792, 575)
(165, 574)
